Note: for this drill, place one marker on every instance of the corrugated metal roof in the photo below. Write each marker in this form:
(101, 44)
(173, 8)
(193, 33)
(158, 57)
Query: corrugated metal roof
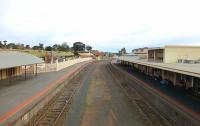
(188, 69)
(10, 59)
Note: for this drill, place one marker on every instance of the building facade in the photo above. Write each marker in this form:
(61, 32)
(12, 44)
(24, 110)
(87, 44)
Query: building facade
(141, 52)
(174, 54)
(175, 65)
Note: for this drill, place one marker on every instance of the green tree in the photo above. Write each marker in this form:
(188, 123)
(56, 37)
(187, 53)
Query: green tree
(48, 48)
(27, 47)
(5, 42)
(56, 47)
(88, 48)
(41, 46)
(35, 47)
(64, 47)
(11, 46)
(78, 46)
(1, 45)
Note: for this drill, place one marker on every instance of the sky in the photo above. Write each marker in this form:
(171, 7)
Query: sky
(106, 25)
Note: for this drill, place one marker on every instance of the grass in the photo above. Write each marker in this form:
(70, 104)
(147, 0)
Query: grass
(41, 53)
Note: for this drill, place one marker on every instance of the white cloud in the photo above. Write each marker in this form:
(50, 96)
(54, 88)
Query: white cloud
(108, 24)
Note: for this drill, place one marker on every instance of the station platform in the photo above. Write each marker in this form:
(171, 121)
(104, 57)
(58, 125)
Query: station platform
(17, 97)
(176, 94)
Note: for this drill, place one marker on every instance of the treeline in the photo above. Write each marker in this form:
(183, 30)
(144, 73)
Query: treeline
(77, 46)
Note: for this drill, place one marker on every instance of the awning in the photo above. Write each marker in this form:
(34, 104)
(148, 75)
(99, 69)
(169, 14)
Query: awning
(9, 59)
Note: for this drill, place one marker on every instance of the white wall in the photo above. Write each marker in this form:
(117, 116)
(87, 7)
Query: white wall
(65, 64)
(59, 65)
(172, 54)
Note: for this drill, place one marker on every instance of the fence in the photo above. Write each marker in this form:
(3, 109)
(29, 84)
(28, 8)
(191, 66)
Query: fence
(59, 65)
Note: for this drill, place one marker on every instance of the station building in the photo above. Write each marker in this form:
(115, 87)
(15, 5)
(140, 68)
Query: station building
(14, 64)
(176, 65)
(141, 52)
(173, 54)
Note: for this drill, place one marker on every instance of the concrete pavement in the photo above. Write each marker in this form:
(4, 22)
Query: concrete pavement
(17, 98)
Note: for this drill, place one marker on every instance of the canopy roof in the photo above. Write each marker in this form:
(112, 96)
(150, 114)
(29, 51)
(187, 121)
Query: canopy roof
(10, 59)
(183, 68)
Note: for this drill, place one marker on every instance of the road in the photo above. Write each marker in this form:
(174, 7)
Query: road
(101, 102)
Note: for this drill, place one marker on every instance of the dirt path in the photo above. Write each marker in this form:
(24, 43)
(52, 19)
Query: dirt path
(102, 103)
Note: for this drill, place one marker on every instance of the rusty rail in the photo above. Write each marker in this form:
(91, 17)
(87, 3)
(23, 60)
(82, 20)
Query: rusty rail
(54, 113)
(150, 115)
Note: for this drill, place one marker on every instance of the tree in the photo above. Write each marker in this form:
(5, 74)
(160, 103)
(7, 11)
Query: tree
(55, 47)
(27, 47)
(122, 51)
(21, 46)
(88, 48)
(11, 46)
(48, 48)
(15, 46)
(78, 46)
(64, 47)
(35, 47)
(41, 46)
(1, 45)
(5, 42)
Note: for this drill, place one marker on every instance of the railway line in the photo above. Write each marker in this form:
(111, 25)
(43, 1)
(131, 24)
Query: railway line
(150, 115)
(54, 113)
(102, 100)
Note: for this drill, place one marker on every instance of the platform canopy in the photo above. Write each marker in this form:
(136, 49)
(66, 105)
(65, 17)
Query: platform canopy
(9, 59)
(183, 68)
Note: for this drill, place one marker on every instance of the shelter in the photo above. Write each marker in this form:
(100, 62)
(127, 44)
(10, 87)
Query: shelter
(177, 65)
(17, 63)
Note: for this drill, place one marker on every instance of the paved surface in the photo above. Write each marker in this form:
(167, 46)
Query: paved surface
(101, 102)
(20, 90)
(178, 94)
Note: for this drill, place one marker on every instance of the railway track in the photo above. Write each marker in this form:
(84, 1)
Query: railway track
(149, 114)
(54, 113)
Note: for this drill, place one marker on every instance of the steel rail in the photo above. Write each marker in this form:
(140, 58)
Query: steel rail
(52, 113)
(147, 110)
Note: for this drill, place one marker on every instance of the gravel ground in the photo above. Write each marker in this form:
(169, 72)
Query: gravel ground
(101, 102)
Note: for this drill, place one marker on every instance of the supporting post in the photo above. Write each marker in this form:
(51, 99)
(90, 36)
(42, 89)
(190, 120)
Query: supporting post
(153, 72)
(25, 72)
(20, 71)
(36, 69)
(147, 70)
(10, 74)
(163, 74)
(192, 83)
(1, 74)
(57, 65)
(133, 66)
(174, 80)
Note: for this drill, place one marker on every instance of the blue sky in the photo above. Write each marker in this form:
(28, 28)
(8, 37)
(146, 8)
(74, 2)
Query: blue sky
(107, 25)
